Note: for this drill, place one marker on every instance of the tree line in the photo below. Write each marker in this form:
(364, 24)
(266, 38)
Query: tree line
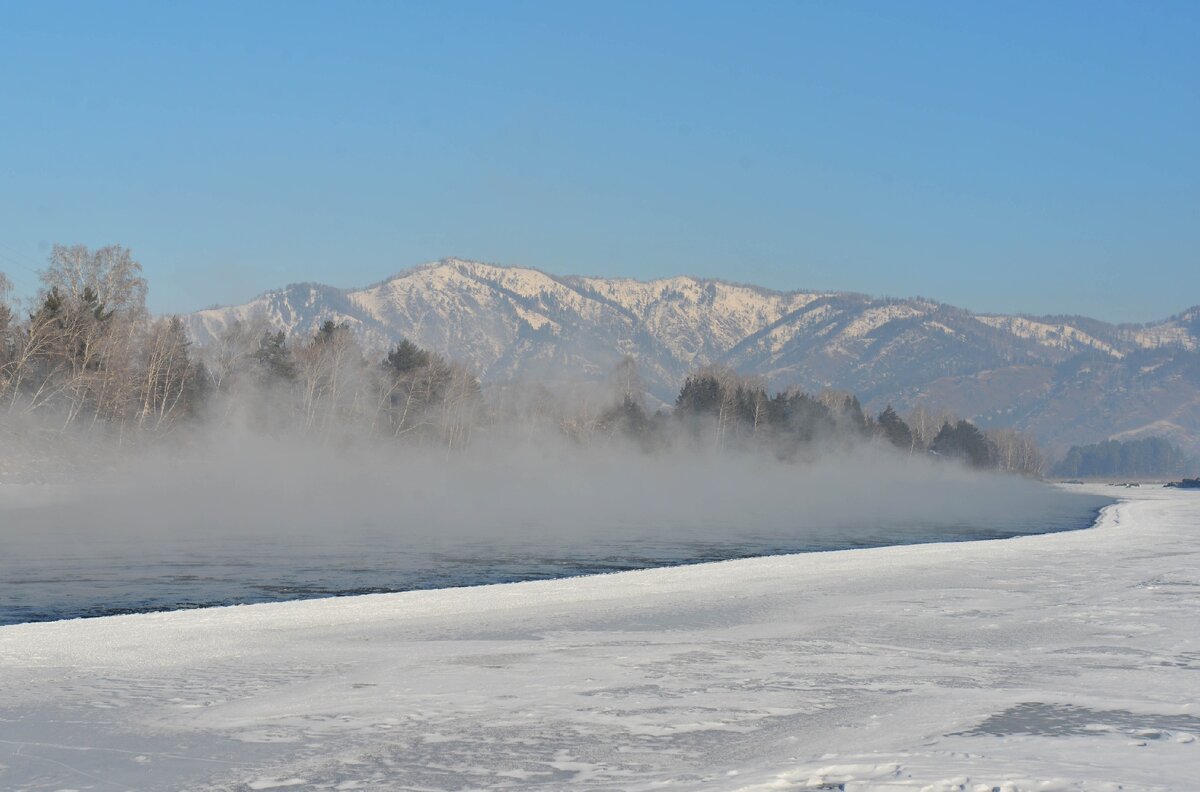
(88, 356)
(1153, 457)
(734, 409)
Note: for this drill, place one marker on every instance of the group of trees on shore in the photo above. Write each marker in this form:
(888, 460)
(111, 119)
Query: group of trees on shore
(736, 409)
(89, 356)
(89, 353)
(1150, 457)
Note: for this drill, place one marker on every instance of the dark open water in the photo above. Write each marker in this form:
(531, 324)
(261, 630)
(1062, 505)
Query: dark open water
(48, 574)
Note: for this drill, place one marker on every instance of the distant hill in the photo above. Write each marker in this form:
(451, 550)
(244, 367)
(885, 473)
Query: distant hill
(1068, 379)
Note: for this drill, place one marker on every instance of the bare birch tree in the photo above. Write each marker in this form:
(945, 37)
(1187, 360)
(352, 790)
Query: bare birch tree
(110, 274)
(1016, 452)
(168, 375)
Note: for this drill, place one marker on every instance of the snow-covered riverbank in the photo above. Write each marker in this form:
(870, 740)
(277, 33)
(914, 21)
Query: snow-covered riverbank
(1061, 661)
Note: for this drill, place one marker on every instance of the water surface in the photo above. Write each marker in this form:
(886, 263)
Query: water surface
(53, 565)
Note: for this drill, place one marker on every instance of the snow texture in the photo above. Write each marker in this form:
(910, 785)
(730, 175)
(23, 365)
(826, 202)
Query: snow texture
(1057, 662)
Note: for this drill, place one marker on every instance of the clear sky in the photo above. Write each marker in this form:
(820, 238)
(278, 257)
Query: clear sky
(1004, 156)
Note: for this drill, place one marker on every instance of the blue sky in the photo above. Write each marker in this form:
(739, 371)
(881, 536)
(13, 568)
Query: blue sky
(1020, 157)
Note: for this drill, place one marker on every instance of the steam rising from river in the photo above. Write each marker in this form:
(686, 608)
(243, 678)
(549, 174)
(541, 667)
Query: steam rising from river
(225, 514)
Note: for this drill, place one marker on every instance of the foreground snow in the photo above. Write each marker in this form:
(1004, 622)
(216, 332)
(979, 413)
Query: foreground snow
(1064, 661)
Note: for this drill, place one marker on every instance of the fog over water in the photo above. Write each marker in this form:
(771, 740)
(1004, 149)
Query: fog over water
(247, 518)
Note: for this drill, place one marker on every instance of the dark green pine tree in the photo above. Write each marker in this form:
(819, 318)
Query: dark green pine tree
(964, 441)
(894, 429)
(407, 356)
(858, 418)
(52, 306)
(701, 393)
(627, 418)
(329, 330)
(91, 300)
(274, 359)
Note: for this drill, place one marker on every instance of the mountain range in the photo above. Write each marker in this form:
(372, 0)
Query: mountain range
(1066, 379)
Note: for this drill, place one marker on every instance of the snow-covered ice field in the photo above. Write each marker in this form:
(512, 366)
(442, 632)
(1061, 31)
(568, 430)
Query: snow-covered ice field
(1063, 661)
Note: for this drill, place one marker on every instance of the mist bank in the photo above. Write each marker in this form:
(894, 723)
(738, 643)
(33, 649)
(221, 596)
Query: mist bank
(249, 518)
(236, 485)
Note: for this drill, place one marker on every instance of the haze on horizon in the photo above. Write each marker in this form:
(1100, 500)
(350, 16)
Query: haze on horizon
(1020, 158)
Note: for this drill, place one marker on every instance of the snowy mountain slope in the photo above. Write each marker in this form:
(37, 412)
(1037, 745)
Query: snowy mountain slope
(1096, 379)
